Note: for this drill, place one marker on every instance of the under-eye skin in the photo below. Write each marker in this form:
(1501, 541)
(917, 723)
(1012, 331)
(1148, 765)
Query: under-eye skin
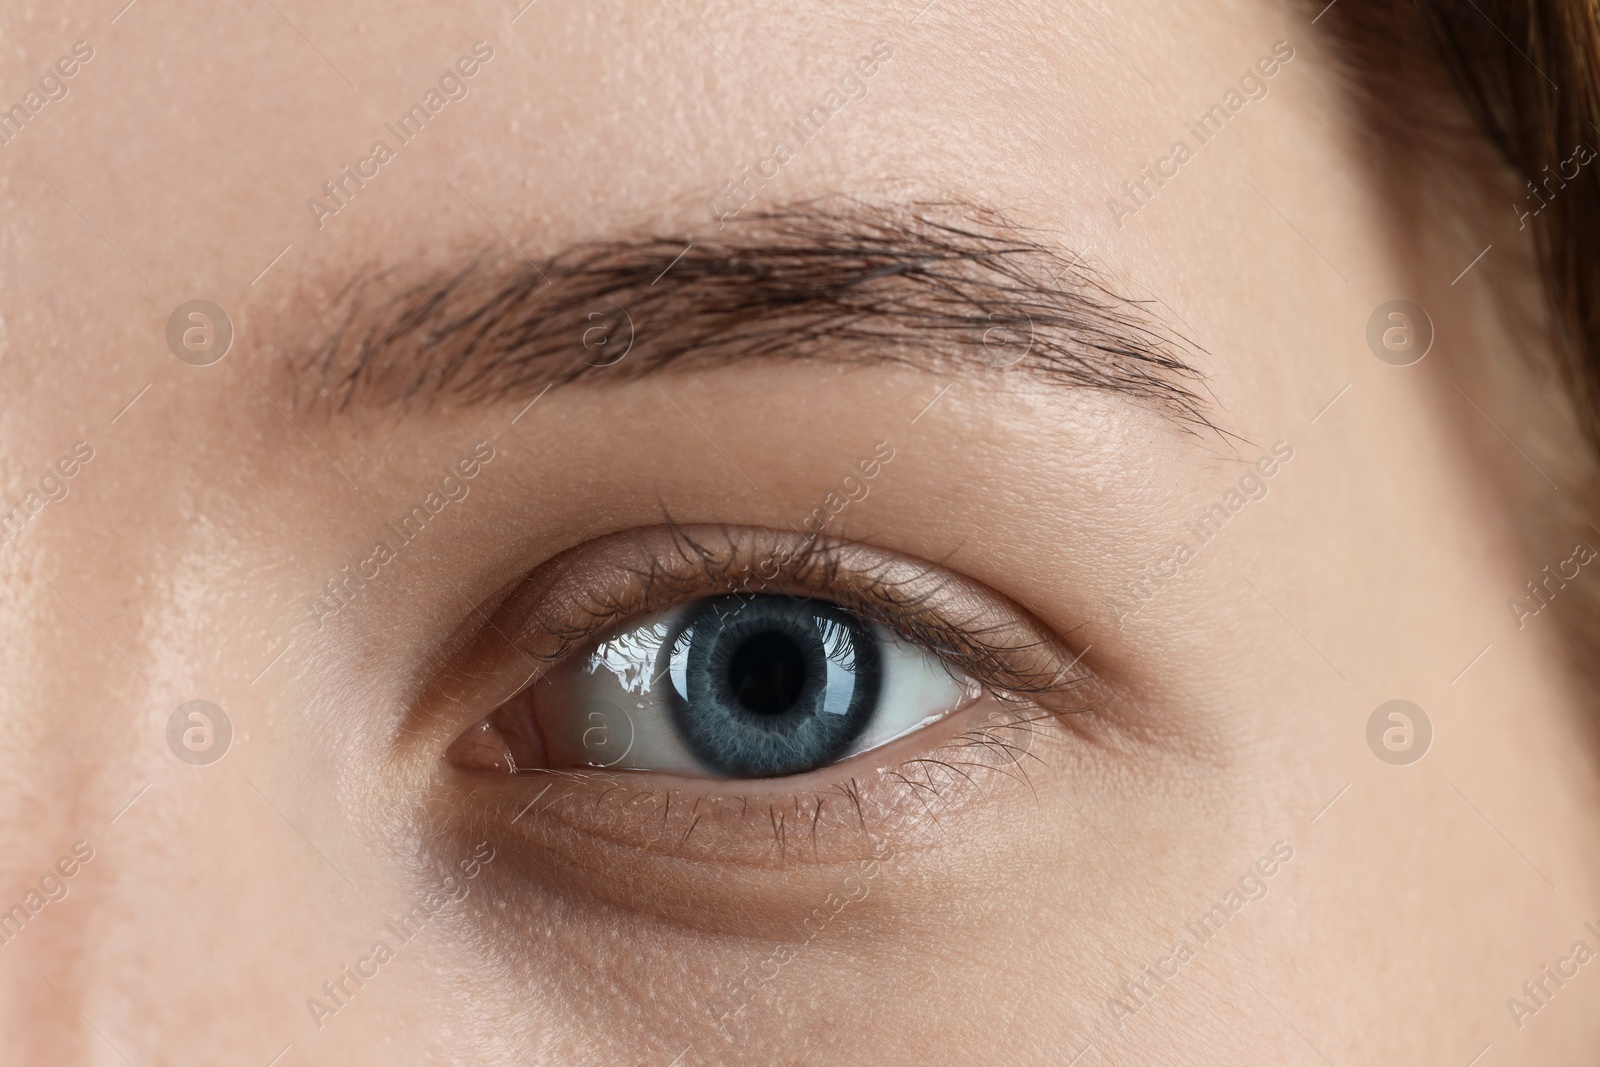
(732, 654)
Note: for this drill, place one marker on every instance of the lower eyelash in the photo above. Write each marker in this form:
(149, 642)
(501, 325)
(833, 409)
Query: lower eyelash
(924, 786)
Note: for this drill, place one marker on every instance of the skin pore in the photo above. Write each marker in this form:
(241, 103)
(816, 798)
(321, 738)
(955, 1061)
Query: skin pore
(1197, 739)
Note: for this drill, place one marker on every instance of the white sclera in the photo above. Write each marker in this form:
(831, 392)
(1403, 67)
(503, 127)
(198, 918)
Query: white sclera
(918, 688)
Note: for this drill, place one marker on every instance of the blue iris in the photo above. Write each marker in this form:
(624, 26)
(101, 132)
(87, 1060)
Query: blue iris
(771, 685)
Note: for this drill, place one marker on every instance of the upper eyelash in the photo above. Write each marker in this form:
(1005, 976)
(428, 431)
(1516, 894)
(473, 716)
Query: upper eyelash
(1030, 665)
(905, 612)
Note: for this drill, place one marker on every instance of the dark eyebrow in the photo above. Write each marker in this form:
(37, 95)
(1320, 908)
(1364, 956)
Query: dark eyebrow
(950, 286)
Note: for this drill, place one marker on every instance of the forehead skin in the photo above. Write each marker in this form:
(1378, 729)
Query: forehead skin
(178, 566)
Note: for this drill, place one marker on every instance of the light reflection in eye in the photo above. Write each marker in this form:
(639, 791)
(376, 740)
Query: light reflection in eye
(630, 656)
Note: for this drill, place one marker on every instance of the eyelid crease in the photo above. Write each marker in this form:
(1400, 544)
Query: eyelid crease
(573, 600)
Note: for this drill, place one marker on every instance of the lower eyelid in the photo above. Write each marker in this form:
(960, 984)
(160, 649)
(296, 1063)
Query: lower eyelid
(752, 859)
(831, 815)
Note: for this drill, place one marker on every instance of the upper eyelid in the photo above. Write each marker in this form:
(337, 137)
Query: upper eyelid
(577, 598)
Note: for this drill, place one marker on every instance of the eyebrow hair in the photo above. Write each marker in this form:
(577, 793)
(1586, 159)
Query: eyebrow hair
(953, 287)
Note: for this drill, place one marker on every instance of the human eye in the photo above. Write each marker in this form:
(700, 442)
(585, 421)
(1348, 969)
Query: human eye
(721, 655)
(739, 685)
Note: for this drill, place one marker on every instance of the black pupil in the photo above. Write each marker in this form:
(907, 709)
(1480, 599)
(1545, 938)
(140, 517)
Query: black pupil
(767, 673)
